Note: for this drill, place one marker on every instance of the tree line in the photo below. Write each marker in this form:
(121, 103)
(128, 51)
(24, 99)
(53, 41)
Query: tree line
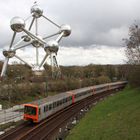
(21, 82)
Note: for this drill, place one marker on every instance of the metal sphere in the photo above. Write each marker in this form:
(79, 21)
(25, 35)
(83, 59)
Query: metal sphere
(52, 46)
(36, 11)
(37, 72)
(17, 24)
(66, 29)
(26, 38)
(9, 54)
(37, 43)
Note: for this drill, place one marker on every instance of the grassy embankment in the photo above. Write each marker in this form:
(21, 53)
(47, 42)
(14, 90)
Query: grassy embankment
(117, 118)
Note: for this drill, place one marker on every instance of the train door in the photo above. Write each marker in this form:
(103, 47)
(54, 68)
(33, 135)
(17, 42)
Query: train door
(73, 98)
(39, 113)
(94, 90)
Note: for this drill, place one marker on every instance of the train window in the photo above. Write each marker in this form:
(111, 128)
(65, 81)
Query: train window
(54, 104)
(50, 106)
(46, 108)
(30, 110)
(64, 100)
(77, 95)
(61, 101)
(57, 103)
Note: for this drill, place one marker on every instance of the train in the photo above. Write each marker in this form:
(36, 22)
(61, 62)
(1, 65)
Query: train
(41, 109)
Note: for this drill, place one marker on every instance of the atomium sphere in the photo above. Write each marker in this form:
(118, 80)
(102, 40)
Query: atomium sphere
(52, 46)
(66, 29)
(36, 11)
(36, 43)
(26, 38)
(9, 54)
(17, 24)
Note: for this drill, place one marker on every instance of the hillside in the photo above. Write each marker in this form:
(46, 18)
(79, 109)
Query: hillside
(117, 118)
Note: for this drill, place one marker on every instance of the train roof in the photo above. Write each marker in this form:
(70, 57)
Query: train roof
(49, 99)
(60, 96)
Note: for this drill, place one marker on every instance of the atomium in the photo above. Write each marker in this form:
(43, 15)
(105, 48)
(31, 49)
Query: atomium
(52, 46)
(66, 30)
(17, 24)
(9, 54)
(30, 38)
(36, 43)
(36, 11)
(26, 38)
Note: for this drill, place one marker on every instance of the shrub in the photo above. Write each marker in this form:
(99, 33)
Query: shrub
(103, 79)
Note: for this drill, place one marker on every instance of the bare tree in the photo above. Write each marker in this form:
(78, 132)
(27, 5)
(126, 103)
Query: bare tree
(133, 55)
(133, 45)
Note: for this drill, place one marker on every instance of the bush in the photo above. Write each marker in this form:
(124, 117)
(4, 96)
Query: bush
(88, 82)
(63, 85)
(134, 76)
(103, 79)
(57, 85)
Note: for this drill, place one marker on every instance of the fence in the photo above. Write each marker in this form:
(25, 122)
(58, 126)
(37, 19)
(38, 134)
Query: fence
(11, 115)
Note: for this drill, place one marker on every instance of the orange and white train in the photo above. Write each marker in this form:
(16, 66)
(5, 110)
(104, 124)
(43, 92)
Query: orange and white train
(39, 110)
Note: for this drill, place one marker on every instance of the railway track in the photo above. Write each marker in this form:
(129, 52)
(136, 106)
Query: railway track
(45, 129)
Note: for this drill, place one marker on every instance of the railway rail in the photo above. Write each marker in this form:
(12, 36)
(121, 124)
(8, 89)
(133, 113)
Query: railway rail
(46, 129)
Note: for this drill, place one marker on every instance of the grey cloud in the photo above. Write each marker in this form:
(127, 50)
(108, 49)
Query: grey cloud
(92, 21)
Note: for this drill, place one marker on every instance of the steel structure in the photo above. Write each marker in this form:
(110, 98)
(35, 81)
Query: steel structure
(18, 25)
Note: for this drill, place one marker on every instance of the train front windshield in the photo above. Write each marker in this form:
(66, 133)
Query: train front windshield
(30, 110)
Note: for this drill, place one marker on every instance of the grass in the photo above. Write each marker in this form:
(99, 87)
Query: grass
(116, 118)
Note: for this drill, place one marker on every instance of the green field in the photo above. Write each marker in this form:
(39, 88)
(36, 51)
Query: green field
(116, 118)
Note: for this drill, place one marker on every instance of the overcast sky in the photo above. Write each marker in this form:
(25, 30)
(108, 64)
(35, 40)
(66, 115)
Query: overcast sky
(98, 27)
